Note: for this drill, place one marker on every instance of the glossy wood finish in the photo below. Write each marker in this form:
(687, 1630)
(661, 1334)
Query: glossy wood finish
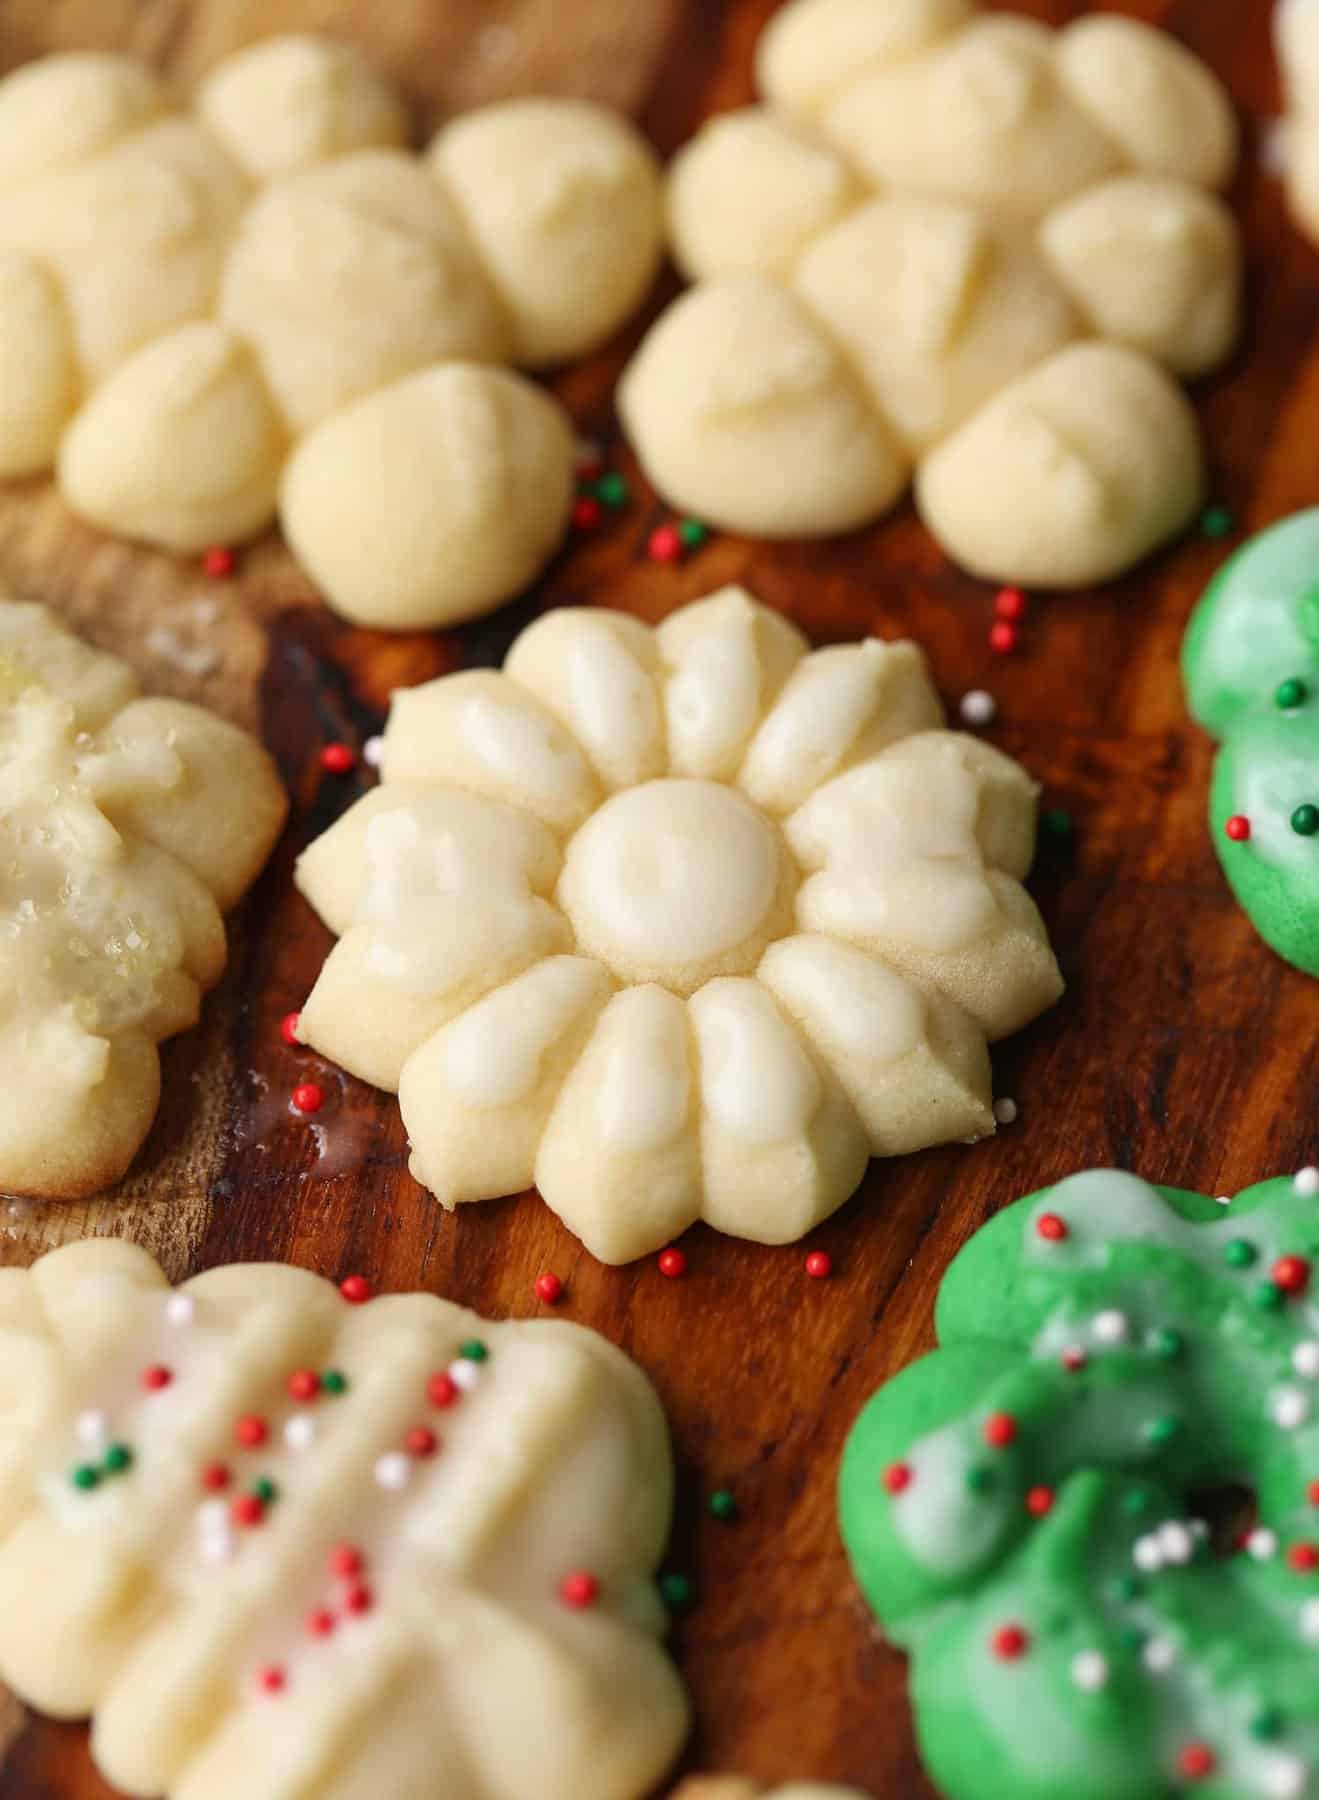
(1183, 1049)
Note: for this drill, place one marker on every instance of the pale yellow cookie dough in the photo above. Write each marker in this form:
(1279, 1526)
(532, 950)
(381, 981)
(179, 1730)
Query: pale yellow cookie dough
(202, 312)
(678, 923)
(733, 1787)
(478, 1601)
(931, 206)
(127, 826)
(1296, 35)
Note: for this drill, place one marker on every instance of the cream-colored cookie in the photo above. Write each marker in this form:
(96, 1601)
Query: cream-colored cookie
(733, 1787)
(127, 825)
(932, 206)
(284, 1539)
(1296, 35)
(678, 924)
(201, 311)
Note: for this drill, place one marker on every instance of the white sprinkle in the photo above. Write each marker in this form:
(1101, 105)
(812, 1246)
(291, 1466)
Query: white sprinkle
(1305, 1358)
(1176, 1542)
(1159, 1654)
(216, 1546)
(1290, 1408)
(1110, 1327)
(300, 1432)
(90, 1428)
(1223, 1199)
(464, 1374)
(1285, 1778)
(181, 1309)
(1090, 1670)
(1147, 1554)
(373, 752)
(1005, 1111)
(1310, 1621)
(1262, 1544)
(978, 707)
(393, 1470)
(1306, 1182)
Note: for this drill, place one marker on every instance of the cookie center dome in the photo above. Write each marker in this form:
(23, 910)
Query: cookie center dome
(677, 882)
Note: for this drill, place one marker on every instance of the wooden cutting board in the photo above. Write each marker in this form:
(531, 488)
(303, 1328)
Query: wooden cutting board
(1183, 1050)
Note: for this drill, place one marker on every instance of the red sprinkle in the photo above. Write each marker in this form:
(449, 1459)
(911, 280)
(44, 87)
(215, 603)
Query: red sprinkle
(251, 1431)
(1291, 1274)
(1009, 1642)
(1074, 1358)
(304, 1384)
(442, 1390)
(1237, 828)
(320, 1623)
(346, 1561)
(1051, 1227)
(421, 1441)
(672, 1263)
(247, 1510)
(549, 1288)
(1304, 1558)
(1010, 603)
(1312, 1493)
(156, 1377)
(1039, 1500)
(587, 513)
(1003, 637)
(288, 1030)
(218, 562)
(1000, 1430)
(579, 1590)
(897, 1478)
(272, 1679)
(1195, 1762)
(338, 759)
(819, 1265)
(359, 1599)
(664, 544)
(308, 1097)
(215, 1478)
(356, 1289)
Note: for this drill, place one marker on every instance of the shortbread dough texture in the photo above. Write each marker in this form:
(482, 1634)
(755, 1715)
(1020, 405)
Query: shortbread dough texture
(678, 924)
(957, 241)
(128, 825)
(280, 1544)
(269, 305)
(733, 1787)
(1296, 34)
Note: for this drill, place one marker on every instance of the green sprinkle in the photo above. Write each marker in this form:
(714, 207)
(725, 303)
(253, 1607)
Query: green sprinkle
(1305, 820)
(334, 1381)
(474, 1351)
(118, 1458)
(1135, 1501)
(677, 1592)
(86, 1477)
(723, 1504)
(1239, 1253)
(1266, 1725)
(1057, 823)
(979, 1479)
(1267, 1296)
(693, 533)
(612, 490)
(1167, 1343)
(1216, 521)
(266, 1491)
(1163, 1429)
(1291, 694)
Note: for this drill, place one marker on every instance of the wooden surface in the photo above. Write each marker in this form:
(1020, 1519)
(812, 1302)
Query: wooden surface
(1183, 1049)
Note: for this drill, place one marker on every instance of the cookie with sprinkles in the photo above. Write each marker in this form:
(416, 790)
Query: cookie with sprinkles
(1034, 1511)
(284, 1539)
(1251, 666)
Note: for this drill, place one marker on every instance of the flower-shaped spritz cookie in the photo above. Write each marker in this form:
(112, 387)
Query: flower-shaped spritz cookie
(678, 924)
(1296, 33)
(269, 304)
(957, 241)
(127, 826)
(1021, 1507)
(284, 1540)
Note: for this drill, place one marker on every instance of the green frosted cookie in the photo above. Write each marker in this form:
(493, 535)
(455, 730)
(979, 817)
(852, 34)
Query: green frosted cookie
(1251, 664)
(1023, 1507)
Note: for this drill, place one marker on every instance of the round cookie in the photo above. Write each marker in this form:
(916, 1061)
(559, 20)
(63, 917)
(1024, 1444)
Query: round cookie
(678, 923)
(1022, 1507)
(894, 259)
(1251, 667)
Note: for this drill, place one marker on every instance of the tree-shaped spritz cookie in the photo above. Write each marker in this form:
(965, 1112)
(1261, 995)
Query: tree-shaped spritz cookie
(678, 924)
(269, 304)
(1023, 1507)
(957, 241)
(285, 1540)
(1251, 662)
(127, 826)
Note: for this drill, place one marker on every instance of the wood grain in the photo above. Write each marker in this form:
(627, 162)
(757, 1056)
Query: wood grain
(1183, 1050)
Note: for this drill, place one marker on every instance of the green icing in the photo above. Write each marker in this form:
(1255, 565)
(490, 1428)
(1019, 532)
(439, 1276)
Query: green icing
(1149, 1659)
(1251, 665)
